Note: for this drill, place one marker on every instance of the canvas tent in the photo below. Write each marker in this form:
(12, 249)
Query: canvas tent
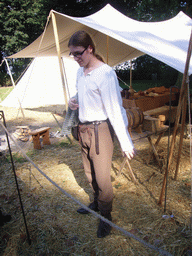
(41, 84)
(117, 37)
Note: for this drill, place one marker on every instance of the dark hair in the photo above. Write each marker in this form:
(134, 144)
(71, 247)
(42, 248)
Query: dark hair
(82, 38)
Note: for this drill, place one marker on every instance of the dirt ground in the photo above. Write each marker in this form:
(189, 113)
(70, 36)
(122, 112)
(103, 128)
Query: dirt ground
(54, 226)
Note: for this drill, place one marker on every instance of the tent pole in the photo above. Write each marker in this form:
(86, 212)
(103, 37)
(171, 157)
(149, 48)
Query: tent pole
(178, 114)
(107, 49)
(13, 83)
(59, 57)
(67, 85)
(131, 91)
(184, 110)
(130, 73)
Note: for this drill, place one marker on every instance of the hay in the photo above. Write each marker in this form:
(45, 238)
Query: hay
(56, 228)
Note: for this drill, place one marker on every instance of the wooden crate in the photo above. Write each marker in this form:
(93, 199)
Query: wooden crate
(147, 103)
(154, 119)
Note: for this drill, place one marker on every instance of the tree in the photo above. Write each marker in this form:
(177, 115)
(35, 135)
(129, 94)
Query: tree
(148, 68)
(21, 22)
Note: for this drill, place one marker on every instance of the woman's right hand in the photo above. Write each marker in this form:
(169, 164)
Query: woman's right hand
(130, 154)
(73, 104)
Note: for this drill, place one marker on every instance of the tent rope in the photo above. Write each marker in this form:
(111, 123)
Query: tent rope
(160, 251)
(21, 75)
(189, 111)
(123, 81)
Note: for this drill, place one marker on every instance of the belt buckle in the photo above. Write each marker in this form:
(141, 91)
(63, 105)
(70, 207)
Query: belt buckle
(97, 122)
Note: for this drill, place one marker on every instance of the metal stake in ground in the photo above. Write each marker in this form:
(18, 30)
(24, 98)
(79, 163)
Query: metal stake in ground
(17, 185)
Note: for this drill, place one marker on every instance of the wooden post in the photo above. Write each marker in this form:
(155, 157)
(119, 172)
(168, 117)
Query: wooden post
(184, 109)
(62, 71)
(181, 97)
(131, 91)
(107, 49)
(13, 83)
(131, 74)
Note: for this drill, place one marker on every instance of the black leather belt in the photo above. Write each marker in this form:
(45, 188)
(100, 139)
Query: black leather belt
(93, 122)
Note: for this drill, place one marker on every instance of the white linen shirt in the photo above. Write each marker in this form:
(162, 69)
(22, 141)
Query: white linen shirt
(99, 98)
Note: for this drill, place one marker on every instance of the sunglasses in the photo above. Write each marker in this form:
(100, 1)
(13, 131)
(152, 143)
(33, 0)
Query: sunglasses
(77, 54)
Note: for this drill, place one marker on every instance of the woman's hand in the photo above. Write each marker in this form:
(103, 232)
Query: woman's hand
(73, 104)
(130, 154)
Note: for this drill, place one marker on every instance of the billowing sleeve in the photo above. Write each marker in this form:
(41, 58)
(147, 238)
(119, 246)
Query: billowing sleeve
(112, 101)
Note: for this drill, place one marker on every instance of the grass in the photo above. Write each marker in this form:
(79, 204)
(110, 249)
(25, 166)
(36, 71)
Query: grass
(141, 85)
(17, 157)
(4, 92)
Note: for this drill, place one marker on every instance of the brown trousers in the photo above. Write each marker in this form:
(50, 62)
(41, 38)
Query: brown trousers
(98, 166)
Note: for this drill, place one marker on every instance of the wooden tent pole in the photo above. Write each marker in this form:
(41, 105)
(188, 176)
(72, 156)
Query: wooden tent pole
(181, 96)
(13, 83)
(184, 110)
(107, 49)
(131, 74)
(59, 57)
(131, 91)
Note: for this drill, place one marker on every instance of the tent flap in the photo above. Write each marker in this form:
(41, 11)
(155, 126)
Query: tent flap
(166, 41)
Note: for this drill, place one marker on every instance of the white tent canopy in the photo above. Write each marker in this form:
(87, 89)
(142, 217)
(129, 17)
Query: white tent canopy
(118, 38)
(41, 84)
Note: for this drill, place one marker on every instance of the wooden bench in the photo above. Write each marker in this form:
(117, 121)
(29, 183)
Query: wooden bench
(41, 132)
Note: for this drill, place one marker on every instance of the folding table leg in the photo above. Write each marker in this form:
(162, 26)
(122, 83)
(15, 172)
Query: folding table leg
(125, 160)
(155, 145)
(155, 152)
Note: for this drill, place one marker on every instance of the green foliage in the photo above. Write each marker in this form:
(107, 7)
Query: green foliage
(148, 68)
(159, 10)
(4, 79)
(75, 8)
(142, 85)
(21, 22)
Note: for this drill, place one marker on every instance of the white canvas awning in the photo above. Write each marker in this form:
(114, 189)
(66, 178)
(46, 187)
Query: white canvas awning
(119, 38)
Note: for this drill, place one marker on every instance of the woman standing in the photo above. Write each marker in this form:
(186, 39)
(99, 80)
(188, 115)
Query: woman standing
(100, 114)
